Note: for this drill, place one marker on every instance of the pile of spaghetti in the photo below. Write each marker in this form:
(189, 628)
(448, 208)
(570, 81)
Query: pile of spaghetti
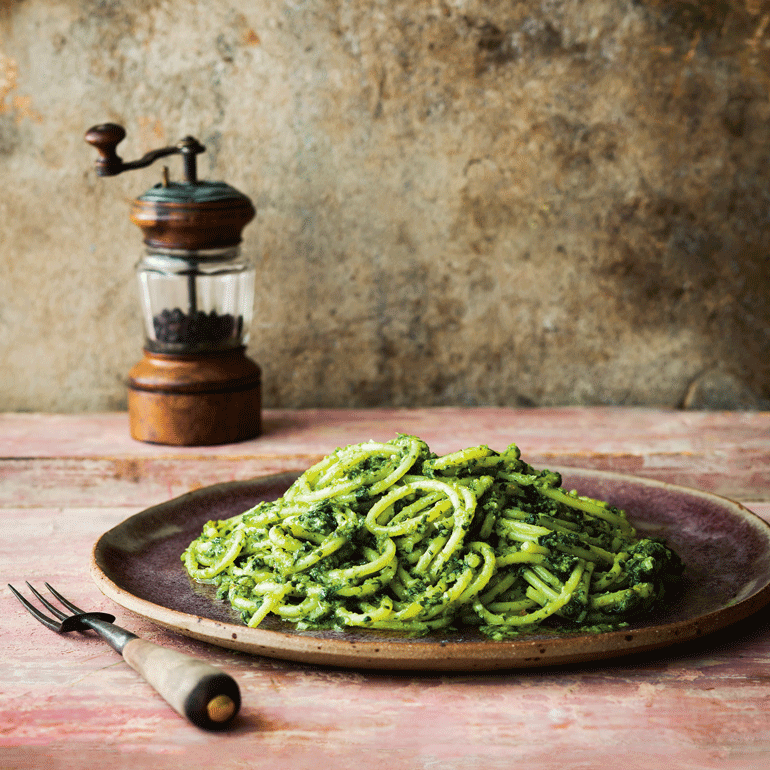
(391, 536)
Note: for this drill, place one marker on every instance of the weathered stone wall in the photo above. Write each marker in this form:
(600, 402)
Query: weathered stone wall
(459, 201)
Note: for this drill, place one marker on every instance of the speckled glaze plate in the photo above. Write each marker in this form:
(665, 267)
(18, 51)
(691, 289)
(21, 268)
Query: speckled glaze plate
(725, 547)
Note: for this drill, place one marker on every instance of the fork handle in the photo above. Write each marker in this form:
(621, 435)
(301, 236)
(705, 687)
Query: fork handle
(207, 696)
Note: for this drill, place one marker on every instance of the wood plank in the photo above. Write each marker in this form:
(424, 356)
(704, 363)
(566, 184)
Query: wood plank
(95, 461)
(137, 482)
(565, 430)
(144, 481)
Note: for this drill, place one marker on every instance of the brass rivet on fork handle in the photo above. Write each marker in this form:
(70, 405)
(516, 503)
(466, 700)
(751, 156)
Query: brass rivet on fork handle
(207, 696)
(221, 708)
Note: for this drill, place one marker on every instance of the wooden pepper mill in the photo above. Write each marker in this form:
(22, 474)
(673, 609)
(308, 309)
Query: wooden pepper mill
(195, 385)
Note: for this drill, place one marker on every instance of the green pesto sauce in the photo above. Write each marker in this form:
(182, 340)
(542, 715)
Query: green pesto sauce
(311, 557)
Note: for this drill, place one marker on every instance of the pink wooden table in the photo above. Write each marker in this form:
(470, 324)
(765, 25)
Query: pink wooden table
(71, 702)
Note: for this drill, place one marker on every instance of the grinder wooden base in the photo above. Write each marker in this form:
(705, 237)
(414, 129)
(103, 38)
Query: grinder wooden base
(195, 400)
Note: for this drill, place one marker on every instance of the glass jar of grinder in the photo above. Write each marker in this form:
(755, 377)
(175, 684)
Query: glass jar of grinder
(194, 385)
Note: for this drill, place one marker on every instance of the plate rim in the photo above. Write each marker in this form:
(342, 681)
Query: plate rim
(459, 655)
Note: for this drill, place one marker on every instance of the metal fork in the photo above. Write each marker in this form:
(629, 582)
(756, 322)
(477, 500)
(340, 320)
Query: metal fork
(208, 697)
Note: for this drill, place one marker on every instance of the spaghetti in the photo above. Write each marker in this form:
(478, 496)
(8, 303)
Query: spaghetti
(391, 536)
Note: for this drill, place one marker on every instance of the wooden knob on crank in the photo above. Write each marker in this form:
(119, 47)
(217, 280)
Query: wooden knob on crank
(105, 138)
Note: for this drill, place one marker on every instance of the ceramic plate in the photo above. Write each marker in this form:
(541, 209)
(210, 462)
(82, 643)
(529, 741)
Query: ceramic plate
(726, 550)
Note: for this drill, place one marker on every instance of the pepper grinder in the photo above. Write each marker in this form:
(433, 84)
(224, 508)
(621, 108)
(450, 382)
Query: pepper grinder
(194, 386)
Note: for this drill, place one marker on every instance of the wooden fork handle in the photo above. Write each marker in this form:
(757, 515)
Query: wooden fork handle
(207, 696)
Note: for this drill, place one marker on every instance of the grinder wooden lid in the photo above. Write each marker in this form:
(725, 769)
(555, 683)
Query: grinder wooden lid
(192, 215)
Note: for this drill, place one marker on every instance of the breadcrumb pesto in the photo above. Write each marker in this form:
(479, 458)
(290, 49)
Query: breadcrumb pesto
(391, 536)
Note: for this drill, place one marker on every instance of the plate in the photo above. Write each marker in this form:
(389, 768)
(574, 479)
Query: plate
(725, 548)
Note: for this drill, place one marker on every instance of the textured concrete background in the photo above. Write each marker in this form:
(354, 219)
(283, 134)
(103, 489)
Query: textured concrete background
(459, 201)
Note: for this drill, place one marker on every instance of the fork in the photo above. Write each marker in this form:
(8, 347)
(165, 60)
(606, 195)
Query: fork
(207, 696)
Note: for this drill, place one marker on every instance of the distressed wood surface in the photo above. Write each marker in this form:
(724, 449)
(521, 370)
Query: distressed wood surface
(71, 702)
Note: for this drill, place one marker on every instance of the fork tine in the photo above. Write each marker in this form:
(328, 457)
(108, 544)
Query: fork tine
(56, 611)
(68, 604)
(35, 612)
